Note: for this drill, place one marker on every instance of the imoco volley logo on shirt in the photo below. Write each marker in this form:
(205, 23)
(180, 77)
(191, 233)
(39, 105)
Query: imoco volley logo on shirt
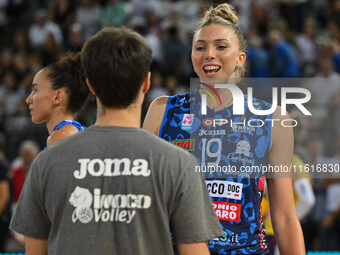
(100, 207)
(106, 208)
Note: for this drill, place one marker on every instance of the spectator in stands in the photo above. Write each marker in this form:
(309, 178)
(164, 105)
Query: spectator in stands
(21, 43)
(258, 58)
(326, 84)
(283, 56)
(88, 15)
(11, 93)
(50, 52)
(140, 9)
(27, 152)
(175, 20)
(23, 70)
(153, 40)
(113, 14)
(6, 63)
(62, 13)
(76, 38)
(40, 29)
(173, 57)
(306, 46)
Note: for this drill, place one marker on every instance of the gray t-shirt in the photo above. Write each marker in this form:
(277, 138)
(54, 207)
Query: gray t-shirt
(115, 190)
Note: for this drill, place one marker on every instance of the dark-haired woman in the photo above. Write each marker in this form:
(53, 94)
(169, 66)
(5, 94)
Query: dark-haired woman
(58, 92)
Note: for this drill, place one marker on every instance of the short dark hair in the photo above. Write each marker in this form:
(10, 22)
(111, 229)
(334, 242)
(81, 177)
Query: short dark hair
(116, 61)
(68, 74)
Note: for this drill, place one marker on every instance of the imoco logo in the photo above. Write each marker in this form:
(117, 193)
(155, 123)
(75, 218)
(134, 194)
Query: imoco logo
(238, 99)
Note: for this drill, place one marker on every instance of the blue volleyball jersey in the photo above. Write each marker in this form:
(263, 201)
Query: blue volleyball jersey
(70, 122)
(236, 197)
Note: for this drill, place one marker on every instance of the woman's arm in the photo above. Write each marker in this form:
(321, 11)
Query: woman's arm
(285, 222)
(154, 116)
(193, 249)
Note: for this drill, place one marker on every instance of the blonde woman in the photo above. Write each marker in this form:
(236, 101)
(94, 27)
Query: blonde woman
(218, 53)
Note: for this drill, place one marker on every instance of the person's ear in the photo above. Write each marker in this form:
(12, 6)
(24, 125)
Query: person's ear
(241, 60)
(90, 87)
(146, 83)
(59, 97)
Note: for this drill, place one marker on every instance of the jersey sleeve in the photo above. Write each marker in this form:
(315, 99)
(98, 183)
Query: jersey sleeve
(192, 217)
(30, 217)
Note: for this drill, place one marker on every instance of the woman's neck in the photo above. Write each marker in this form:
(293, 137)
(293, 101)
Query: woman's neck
(223, 96)
(56, 119)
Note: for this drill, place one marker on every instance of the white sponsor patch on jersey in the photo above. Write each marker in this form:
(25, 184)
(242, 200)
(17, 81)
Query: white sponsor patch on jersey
(224, 189)
(187, 121)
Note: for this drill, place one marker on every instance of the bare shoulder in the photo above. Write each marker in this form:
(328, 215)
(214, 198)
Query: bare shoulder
(62, 133)
(155, 114)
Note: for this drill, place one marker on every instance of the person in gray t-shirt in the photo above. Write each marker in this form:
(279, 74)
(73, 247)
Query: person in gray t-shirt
(114, 188)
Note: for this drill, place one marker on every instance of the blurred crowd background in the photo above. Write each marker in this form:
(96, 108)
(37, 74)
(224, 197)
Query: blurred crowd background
(286, 39)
